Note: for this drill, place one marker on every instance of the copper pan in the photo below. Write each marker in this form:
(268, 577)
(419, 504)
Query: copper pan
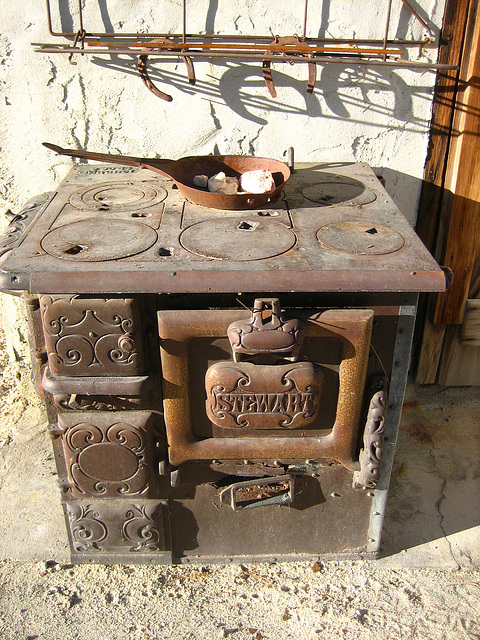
(182, 172)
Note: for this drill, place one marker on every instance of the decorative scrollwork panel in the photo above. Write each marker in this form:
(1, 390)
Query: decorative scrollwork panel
(373, 439)
(93, 336)
(249, 396)
(108, 454)
(114, 526)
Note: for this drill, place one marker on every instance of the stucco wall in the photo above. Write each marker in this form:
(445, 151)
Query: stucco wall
(372, 114)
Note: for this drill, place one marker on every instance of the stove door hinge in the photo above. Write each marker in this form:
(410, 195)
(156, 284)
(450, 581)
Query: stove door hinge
(54, 430)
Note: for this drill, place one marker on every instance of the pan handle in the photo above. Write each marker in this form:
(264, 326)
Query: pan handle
(156, 168)
(101, 157)
(153, 164)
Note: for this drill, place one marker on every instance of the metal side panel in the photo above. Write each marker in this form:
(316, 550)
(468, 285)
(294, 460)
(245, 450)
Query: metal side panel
(393, 414)
(326, 517)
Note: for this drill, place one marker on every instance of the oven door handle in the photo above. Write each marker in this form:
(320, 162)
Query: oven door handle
(260, 492)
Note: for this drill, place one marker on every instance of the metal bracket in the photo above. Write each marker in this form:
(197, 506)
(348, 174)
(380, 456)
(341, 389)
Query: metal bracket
(142, 69)
(54, 430)
(298, 45)
(266, 332)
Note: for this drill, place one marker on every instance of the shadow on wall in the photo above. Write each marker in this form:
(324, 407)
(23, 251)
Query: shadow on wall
(238, 87)
(341, 90)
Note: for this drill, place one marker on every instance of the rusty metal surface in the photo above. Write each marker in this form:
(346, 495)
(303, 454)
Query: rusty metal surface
(338, 192)
(243, 396)
(93, 336)
(287, 44)
(98, 240)
(19, 225)
(96, 385)
(143, 71)
(230, 48)
(120, 198)
(250, 494)
(74, 402)
(326, 517)
(250, 238)
(249, 397)
(133, 529)
(370, 456)
(360, 238)
(122, 530)
(352, 329)
(166, 266)
(107, 454)
(262, 393)
(236, 37)
(36, 342)
(267, 332)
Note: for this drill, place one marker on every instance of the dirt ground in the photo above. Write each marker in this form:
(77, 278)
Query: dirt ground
(293, 600)
(302, 600)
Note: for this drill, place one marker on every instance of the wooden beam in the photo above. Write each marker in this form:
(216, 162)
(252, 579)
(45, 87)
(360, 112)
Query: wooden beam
(434, 208)
(462, 181)
(430, 353)
(450, 52)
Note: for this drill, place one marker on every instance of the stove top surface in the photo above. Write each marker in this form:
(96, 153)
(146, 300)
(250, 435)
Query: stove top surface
(109, 228)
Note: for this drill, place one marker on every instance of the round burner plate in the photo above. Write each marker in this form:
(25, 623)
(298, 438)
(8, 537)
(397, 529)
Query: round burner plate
(239, 239)
(118, 196)
(360, 238)
(331, 193)
(98, 240)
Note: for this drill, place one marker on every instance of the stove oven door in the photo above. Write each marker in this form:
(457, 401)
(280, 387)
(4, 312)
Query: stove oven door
(264, 390)
(94, 344)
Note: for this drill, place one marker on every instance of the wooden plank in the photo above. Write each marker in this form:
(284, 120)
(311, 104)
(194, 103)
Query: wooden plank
(430, 353)
(470, 333)
(450, 52)
(462, 180)
(475, 282)
(434, 209)
(460, 365)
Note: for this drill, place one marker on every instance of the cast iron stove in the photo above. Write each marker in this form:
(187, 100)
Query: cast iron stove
(216, 382)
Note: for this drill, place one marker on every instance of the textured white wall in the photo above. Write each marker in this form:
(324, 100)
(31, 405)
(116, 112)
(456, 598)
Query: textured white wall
(375, 115)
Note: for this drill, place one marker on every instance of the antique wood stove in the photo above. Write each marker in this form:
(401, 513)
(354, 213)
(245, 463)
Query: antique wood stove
(220, 385)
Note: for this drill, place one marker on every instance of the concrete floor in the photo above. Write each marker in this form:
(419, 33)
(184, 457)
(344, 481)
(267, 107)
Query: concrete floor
(433, 511)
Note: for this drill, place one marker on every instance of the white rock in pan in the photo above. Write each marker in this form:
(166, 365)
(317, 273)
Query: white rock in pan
(258, 181)
(220, 183)
(200, 181)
